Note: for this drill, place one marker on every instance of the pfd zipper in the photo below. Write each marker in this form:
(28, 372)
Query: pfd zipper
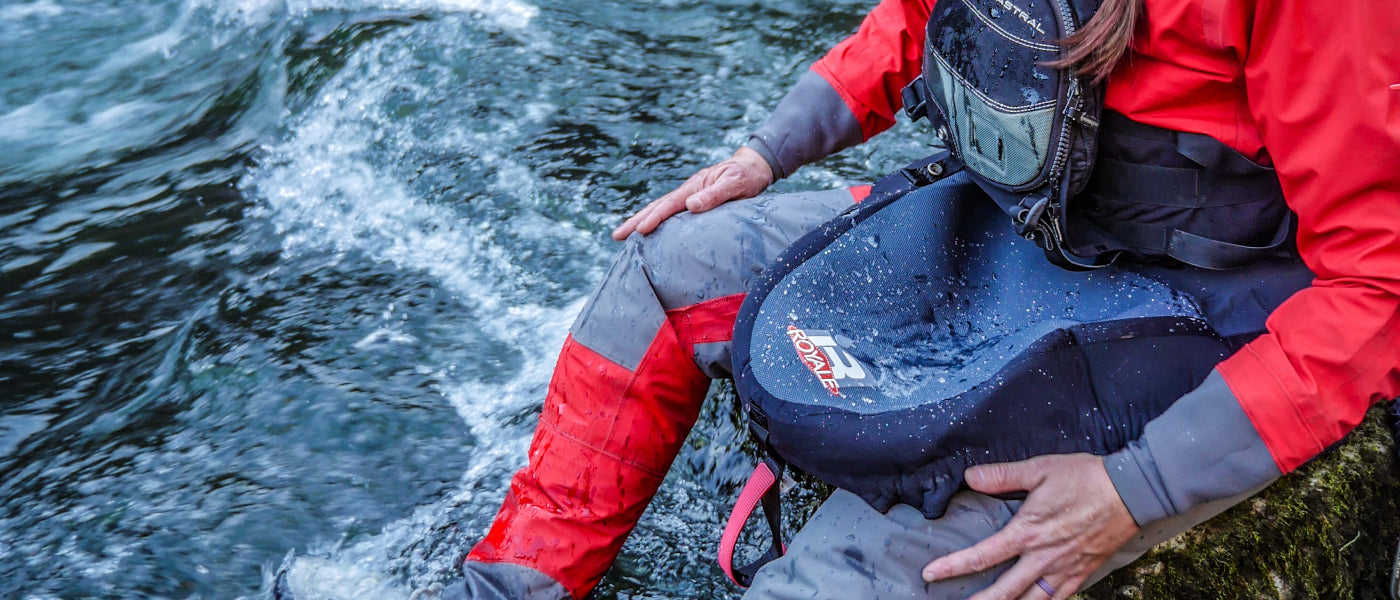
(1074, 105)
(1073, 111)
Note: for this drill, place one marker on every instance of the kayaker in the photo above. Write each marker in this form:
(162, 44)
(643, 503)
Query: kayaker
(1309, 89)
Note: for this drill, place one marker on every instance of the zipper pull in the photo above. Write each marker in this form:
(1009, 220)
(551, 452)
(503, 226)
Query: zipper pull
(1075, 109)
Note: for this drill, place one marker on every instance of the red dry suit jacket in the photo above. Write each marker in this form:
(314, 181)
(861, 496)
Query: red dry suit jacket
(1313, 88)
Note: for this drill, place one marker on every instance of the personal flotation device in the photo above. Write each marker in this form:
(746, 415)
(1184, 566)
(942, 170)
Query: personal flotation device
(1029, 133)
(916, 335)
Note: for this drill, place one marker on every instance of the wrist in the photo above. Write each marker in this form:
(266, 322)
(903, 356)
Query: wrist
(756, 161)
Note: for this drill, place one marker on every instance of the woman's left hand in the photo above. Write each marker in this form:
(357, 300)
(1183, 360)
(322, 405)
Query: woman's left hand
(1071, 523)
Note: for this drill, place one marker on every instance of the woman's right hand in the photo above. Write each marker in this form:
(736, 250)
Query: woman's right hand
(743, 175)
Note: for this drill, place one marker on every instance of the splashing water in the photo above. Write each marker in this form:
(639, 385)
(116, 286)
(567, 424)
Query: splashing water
(287, 278)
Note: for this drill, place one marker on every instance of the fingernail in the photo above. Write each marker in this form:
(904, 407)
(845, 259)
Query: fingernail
(929, 576)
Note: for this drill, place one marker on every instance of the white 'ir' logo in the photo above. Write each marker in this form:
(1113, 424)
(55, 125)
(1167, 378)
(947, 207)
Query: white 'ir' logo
(826, 359)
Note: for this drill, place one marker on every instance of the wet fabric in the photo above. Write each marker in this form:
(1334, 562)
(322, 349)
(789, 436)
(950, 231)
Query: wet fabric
(1015, 121)
(626, 390)
(1327, 121)
(907, 340)
(849, 550)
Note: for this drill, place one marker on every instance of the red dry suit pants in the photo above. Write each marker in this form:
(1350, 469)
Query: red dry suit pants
(628, 387)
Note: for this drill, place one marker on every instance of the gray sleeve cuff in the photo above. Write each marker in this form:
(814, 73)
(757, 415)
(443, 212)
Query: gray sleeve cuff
(758, 146)
(1202, 448)
(811, 123)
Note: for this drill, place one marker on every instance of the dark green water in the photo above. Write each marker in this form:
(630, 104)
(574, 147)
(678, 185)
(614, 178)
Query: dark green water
(287, 278)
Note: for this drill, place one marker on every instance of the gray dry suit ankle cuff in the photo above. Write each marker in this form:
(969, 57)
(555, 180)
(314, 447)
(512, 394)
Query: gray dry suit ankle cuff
(506, 581)
(809, 124)
(1202, 448)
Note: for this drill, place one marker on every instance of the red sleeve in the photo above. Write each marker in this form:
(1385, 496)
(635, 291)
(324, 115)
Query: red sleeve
(869, 68)
(1323, 81)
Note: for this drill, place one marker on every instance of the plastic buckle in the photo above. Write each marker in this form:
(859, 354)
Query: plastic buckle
(758, 423)
(915, 102)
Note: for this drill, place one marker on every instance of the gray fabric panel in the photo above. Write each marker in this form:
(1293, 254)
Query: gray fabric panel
(505, 581)
(1144, 495)
(693, 257)
(1202, 448)
(623, 315)
(809, 124)
(714, 360)
(849, 550)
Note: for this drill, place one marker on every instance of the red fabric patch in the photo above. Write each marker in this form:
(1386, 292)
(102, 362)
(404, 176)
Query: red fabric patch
(605, 440)
(860, 192)
(708, 321)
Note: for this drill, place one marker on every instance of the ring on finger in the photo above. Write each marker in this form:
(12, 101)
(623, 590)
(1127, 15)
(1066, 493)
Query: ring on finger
(1045, 587)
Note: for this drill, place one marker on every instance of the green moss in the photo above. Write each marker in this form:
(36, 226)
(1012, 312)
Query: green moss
(1327, 530)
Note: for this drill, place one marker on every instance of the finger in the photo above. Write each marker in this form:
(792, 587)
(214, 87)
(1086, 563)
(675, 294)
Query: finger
(659, 213)
(725, 188)
(630, 225)
(1017, 582)
(1070, 587)
(1041, 589)
(670, 204)
(1001, 478)
(710, 197)
(648, 218)
(996, 549)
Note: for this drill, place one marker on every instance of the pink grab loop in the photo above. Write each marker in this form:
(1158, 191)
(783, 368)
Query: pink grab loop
(758, 485)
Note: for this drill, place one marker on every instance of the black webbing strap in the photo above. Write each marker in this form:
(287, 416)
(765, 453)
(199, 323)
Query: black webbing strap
(922, 172)
(1201, 149)
(915, 97)
(1180, 187)
(1212, 154)
(1196, 250)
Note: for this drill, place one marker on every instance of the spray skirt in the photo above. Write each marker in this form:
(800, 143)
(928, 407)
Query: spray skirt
(916, 335)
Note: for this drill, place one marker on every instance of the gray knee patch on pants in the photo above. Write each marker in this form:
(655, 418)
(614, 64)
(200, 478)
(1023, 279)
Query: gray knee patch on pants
(689, 259)
(623, 315)
(692, 258)
(505, 581)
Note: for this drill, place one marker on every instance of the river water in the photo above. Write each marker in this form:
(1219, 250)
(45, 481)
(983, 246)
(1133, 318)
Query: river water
(285, 279)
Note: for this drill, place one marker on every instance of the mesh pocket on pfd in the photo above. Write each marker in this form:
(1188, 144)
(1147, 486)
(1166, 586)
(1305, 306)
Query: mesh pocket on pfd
(1006, 144)
(985, 68)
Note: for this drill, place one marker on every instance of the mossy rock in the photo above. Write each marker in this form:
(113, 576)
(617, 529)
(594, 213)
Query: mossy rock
(1328, 530)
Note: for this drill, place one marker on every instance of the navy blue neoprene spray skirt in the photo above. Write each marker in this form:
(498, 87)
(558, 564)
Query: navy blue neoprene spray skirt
(908, 339)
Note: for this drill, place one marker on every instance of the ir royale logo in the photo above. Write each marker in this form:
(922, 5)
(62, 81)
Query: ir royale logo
(833, 366)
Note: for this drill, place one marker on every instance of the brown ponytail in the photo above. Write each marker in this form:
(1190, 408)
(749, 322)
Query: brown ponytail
(1098, 47)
